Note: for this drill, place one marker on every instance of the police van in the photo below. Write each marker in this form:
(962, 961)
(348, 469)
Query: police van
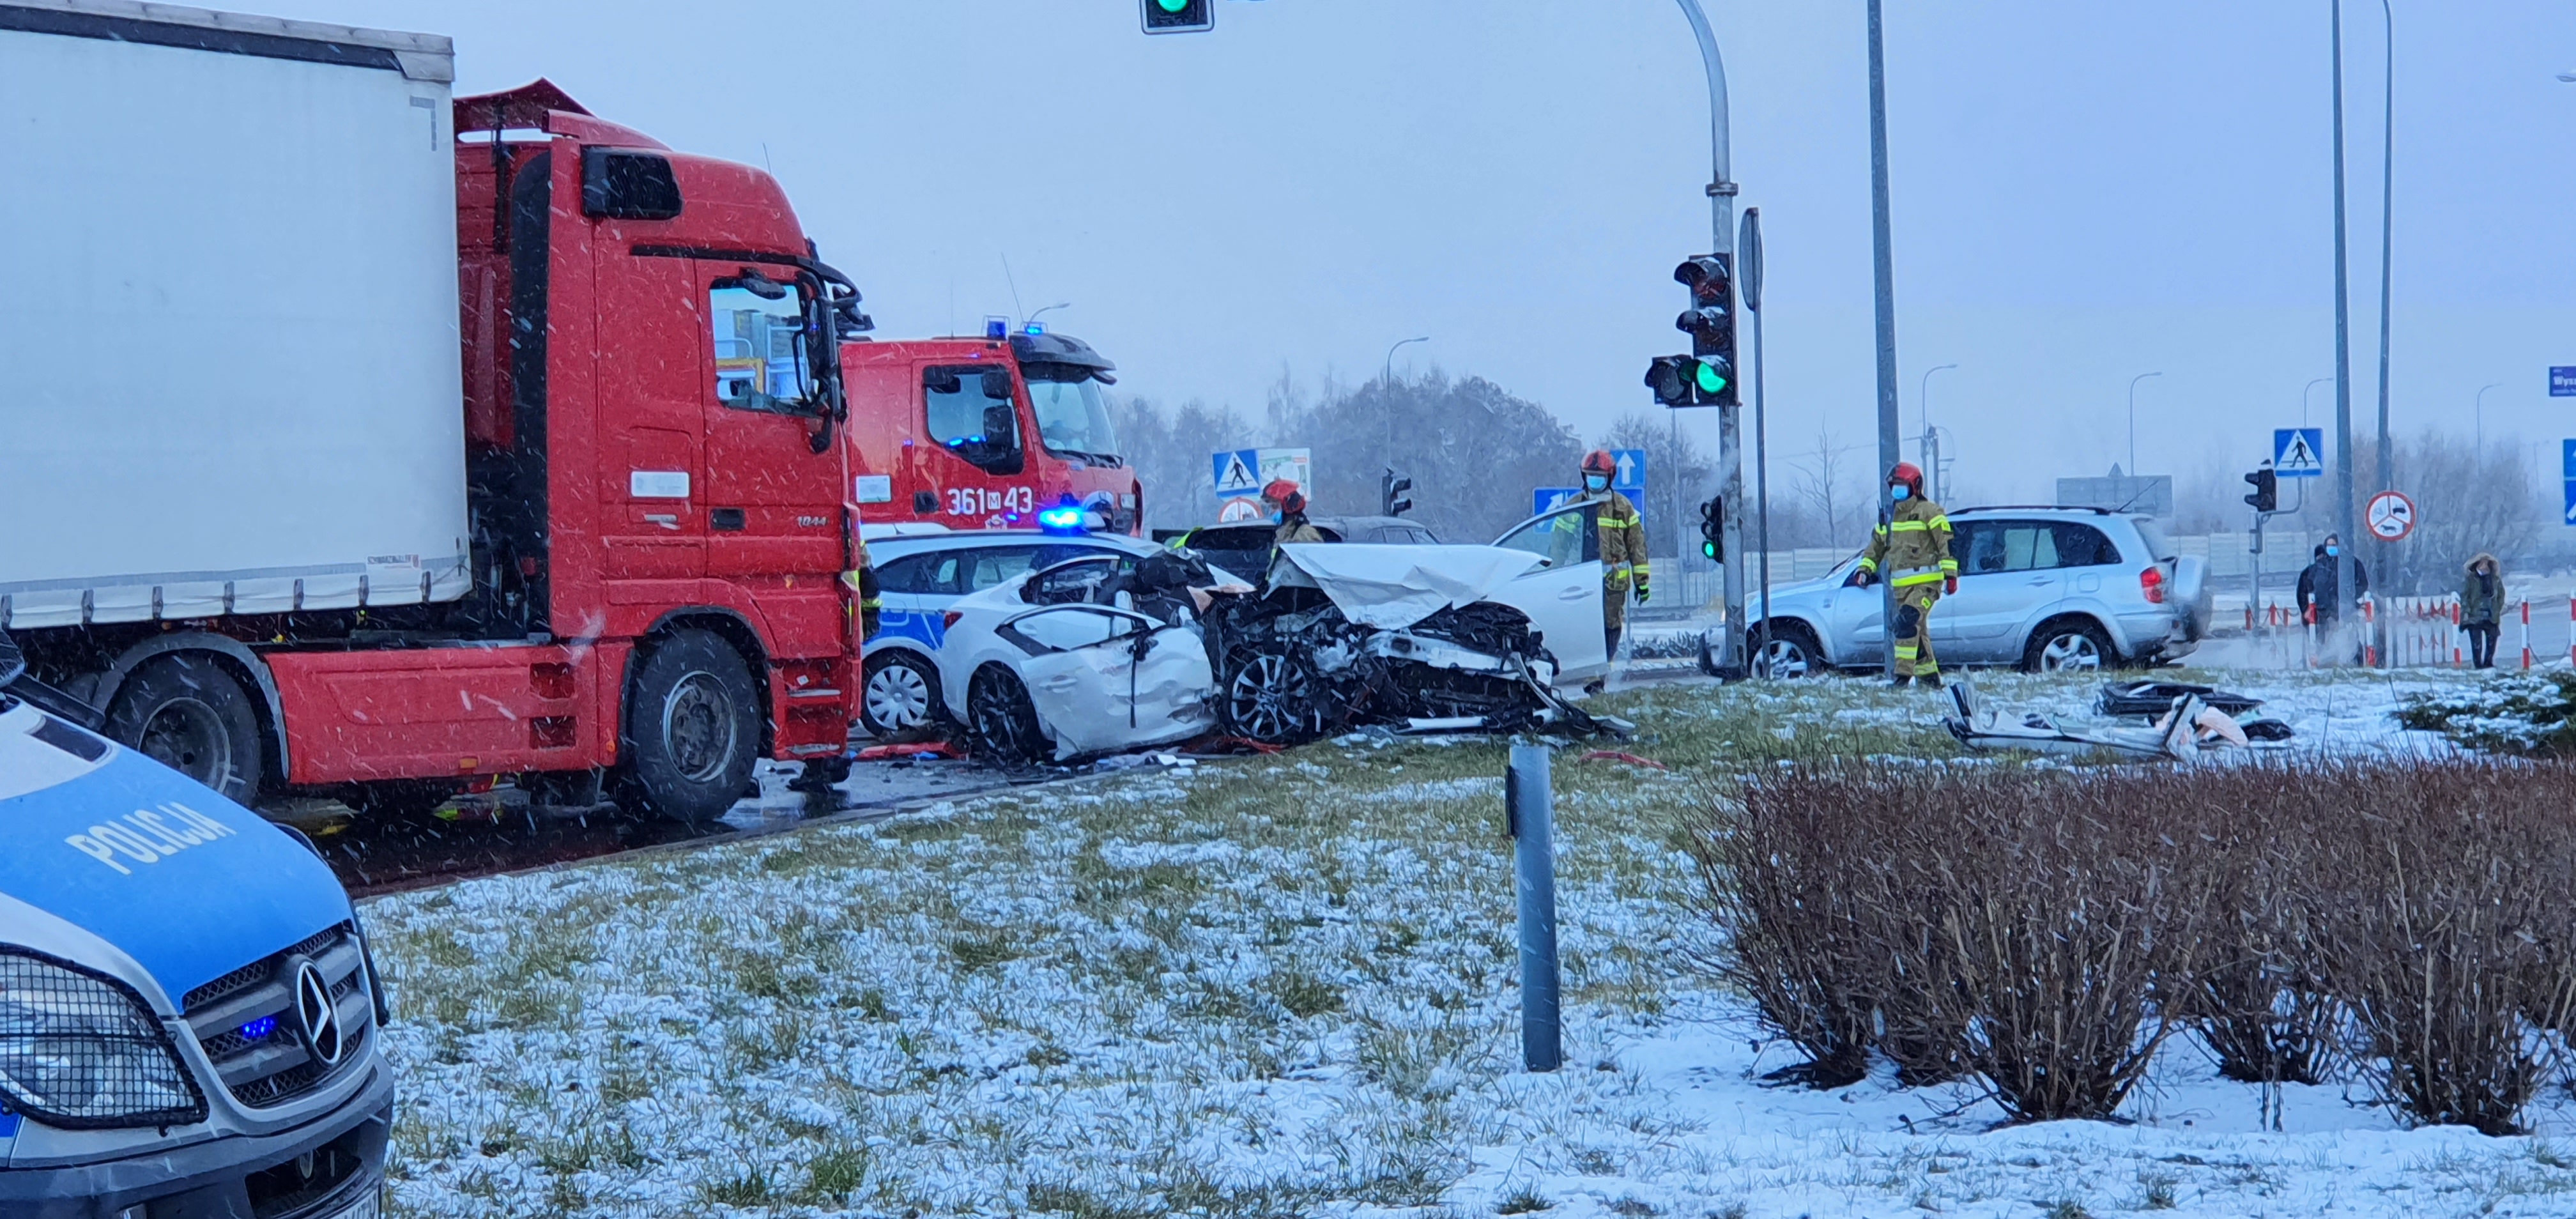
(188, 1010)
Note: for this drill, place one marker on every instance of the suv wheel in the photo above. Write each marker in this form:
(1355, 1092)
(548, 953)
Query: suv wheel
(2068, 645)
(1791, 651)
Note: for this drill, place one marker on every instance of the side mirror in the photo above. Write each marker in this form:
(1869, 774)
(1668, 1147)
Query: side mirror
(997, 384)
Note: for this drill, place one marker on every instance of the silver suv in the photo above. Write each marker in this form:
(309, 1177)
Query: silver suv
(2042, 588)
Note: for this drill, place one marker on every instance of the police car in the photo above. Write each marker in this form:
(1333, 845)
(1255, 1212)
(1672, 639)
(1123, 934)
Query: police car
(188, 1010)
(921, 571)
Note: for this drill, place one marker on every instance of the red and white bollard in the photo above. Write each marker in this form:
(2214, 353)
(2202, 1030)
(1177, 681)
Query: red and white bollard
(2526, 632)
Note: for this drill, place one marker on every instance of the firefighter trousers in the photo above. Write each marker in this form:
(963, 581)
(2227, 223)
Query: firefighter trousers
(1914, 630)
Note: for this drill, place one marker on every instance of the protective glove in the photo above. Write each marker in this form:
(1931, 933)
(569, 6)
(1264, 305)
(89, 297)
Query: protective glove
(1949, 586)
(1867, 577)
(1641, 592)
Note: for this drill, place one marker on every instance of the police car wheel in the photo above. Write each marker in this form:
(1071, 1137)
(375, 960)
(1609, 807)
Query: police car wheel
(187, 712)
(1003, 723)
(899, 694)
(692, 728)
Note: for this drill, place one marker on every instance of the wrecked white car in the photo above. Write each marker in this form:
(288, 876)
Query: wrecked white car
(1422, 638)
(1115, 652)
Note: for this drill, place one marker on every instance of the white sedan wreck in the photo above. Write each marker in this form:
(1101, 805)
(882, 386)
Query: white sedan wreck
(1112, 652)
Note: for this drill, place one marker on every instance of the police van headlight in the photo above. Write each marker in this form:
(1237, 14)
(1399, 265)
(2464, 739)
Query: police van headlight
(80, 1050)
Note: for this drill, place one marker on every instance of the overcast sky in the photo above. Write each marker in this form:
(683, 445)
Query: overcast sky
(2082, 192)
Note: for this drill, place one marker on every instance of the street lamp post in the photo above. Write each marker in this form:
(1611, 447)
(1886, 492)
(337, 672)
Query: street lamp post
(1386, 385)
(2133, 419)
(2387, 205)
(2344, 530)
(2482, 417)
(2303, 397)
(1931, 448)
(1883, 265)
(1721, 204)
(1032, 319)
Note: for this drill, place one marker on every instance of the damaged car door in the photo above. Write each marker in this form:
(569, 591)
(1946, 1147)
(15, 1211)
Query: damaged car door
(1563, 594)
(1103, 678)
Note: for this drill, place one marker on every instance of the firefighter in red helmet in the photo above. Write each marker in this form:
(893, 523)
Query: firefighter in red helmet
(1623, 547)
(1911, 551)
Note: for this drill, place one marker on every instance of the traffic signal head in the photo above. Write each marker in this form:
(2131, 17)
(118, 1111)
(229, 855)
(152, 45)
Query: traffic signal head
(2266, 496)
(1691, 381)
(1179, 16)
(1710, 321)
(1712, 528)
(1392, 497)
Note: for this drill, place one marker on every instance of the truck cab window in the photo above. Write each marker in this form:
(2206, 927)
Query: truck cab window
(762, 363)
(1073, 418)
(969, 412)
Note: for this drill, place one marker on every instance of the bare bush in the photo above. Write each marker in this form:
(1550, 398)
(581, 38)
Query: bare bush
(1770, 869)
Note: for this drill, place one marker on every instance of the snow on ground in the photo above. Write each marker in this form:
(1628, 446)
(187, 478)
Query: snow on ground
(1281, 986)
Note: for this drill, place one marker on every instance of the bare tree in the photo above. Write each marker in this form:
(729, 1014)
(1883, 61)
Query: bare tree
(1819, 474)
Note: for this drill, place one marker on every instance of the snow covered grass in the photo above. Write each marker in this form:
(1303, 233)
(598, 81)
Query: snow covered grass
(1268, 987)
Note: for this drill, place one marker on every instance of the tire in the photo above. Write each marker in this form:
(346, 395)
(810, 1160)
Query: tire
(1270, 698)
(692, 734)
(2068, 645)
(899, 693)
(186, 711)
(1791, 652)
(1001, 723)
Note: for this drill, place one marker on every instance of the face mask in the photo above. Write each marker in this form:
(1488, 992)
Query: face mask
(1277, 517)
(1899, 492)
(2333, 551)
(1596, 482)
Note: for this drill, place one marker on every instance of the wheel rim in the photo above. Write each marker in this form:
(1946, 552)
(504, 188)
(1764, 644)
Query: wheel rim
(997, 722)
(1781, 658)
(188, 736)
(1267, 698)
(898, 697)
(699, 732)
(2073, 651)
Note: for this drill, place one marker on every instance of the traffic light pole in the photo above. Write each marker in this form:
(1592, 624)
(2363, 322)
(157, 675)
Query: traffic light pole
(1884, 260)
(1730, 445)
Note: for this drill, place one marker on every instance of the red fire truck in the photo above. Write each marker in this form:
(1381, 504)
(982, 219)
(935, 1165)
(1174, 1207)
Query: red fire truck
(654, 509)
(985, 433)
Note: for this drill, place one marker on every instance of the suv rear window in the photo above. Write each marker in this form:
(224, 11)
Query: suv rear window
(2159, 547)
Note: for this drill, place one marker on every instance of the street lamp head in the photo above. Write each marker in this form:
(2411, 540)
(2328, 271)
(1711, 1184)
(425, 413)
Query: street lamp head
(2567, 78)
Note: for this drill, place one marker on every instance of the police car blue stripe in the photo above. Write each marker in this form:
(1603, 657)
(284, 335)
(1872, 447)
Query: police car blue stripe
(136, 853)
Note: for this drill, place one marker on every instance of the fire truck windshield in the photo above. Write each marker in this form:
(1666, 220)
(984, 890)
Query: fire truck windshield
(1073, 418)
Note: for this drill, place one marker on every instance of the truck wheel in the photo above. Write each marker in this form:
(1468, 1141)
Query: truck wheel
(692, 728)
(1003, 724)
(899, 694)
(185, 711)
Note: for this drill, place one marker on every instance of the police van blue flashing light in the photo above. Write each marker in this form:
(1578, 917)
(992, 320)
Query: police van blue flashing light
(997, 327)
(258, 1029)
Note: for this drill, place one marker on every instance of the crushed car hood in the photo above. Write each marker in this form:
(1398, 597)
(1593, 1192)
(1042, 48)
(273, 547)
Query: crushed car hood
(1393, 587)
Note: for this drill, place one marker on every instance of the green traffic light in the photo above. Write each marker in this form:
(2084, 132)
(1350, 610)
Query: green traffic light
(1711, 381)
(1708, 550)
(1172, 6)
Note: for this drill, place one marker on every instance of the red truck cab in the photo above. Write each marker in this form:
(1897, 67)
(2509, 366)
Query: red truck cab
(984, 433)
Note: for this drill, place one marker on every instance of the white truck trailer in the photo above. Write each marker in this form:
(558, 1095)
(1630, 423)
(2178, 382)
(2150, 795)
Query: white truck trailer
(229, 380)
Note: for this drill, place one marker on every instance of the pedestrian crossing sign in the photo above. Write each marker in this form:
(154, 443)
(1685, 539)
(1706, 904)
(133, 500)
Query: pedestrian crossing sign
(2299, 452)
(1238, 471)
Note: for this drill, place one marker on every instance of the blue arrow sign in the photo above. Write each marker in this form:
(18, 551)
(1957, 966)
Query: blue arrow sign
(2299, 452)
(1630, 470)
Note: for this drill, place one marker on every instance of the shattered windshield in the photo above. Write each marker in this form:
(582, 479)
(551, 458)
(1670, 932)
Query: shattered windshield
(1073, 417)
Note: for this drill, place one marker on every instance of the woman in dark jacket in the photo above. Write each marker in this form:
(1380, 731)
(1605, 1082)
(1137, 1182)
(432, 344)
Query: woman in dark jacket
(2482, 608)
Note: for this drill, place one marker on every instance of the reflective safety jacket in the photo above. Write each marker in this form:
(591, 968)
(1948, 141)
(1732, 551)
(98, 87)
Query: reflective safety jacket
(1912, 546)
(1623, 539)
(861, 581)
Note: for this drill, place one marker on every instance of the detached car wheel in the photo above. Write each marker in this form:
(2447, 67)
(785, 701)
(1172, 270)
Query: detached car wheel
(185, 711)
(1001, 721)
(899, 694)
(2062, 647)
(692, 727)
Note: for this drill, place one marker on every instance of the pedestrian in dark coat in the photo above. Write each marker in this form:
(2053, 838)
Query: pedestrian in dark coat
(2317, 600)
(2482, 608)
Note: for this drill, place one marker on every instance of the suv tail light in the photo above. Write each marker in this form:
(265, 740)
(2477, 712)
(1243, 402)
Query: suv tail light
(2152, 583)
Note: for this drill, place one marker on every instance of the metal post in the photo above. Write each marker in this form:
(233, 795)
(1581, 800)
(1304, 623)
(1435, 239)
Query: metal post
(1931, 442)
(1533, 823)
(1730, 448)
(1751, 246)
(2133, 419)
(2481, 409)
(2387, 235)
(2345, 531)
(1386, 385)
(1886, 277)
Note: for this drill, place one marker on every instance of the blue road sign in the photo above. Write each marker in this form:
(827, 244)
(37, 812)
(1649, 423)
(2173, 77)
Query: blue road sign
(2571, 501)
(1544, 500)
(2562, 381)
(1237, 471)
(1630, 475)
(2299, 452)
